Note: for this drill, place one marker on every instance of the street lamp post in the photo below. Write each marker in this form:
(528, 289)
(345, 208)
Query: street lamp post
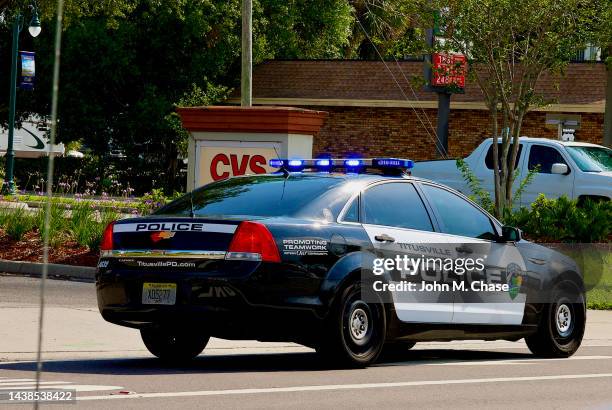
(34, 29)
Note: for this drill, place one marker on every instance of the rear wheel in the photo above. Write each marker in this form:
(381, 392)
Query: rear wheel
(173, 345)
(355, 331)
(561, 326)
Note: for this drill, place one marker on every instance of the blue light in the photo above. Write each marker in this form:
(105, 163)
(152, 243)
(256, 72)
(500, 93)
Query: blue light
(323, 163)
(295, 162)
(276, 163)
(352, 163)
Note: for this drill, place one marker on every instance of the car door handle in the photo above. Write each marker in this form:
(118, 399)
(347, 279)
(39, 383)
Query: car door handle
(537, 261)
(384, 238)
(464, 249)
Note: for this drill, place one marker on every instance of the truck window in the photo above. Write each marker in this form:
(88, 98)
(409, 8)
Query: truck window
(545, 157)
(489, 157)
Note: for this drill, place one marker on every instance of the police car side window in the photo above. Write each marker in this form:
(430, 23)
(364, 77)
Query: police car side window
(352, 212)
(395, 204)
(459, 217)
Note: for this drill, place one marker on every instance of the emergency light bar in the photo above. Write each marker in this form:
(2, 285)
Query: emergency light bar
(352, 165)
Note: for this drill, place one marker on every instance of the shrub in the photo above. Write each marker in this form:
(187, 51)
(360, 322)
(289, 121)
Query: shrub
(151, 201)
(17, 223)
(58, 224)
(564, 220)
(82, 223)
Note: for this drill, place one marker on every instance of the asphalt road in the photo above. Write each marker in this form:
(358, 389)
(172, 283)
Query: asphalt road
(109, 368)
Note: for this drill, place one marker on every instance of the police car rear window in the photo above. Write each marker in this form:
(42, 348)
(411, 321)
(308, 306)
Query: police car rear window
(259, 196)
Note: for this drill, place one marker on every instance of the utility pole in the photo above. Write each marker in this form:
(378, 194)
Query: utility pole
(34, 29)
(607, 138)
(9, 183)
(443, 100)
(246, 87)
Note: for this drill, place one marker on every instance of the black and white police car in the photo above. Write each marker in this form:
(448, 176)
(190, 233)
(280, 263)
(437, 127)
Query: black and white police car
(287, 257)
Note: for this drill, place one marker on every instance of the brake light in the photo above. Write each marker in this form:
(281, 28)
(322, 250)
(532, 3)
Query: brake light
(107, 238)
(251, 239)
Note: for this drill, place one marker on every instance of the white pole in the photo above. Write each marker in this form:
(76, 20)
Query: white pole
(246, 88)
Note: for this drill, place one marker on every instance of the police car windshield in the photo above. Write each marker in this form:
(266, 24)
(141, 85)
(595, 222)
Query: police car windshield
(270, 195)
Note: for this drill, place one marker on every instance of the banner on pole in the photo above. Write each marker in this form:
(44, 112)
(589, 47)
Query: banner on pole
(28, 70)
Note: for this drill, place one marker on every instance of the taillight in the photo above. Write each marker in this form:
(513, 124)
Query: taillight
(251, 241)
(107, 238)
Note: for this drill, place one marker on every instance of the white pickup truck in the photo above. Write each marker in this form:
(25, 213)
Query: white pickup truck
(578, 170)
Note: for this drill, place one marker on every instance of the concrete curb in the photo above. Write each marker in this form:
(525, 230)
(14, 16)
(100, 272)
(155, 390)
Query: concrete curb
(81, 273)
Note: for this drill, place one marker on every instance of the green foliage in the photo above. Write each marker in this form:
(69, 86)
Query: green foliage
(564, 220)
(531, 174)
(482, 196)
(479, 194)
(17, 223)
(151, 201)
(83, 225)
(58, 224)
(128, 64)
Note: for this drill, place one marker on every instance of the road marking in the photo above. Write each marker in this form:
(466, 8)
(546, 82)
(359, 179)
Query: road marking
(344, 387)
(30, 384)
(26, 384)
(77, 387)
(513, 361)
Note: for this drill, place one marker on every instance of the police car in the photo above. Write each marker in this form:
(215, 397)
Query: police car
(291, 256)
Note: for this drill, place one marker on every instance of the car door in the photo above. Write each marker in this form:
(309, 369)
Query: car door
(545, 182)
(462, 222)
(483, 169)
(394, 216)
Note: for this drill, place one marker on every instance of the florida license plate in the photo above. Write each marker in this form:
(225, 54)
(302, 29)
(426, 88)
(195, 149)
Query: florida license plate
(158, 293)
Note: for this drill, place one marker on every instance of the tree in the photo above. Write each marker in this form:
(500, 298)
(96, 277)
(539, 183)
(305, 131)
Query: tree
(126, 64)
(509, 45)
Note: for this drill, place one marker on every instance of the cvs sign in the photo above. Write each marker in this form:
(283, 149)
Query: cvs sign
(232, 158)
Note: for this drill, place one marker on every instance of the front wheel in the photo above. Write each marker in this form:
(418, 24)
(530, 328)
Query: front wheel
(355, 331)
(174, 345)
(562, 324)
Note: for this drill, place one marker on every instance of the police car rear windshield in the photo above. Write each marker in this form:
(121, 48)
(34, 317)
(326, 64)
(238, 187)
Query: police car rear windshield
(265, 196)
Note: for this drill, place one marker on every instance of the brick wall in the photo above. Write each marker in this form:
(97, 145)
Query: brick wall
(399, 132)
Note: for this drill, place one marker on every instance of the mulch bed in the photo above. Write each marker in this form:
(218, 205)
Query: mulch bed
(29, 249)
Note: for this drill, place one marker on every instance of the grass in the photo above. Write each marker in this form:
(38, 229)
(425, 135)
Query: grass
(600, 295)
(595, 262)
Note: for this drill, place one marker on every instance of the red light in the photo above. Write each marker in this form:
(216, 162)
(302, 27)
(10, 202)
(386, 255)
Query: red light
(107, 238)
(253, 237)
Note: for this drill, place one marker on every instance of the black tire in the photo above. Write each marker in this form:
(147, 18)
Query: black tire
(354, 334)
(558, 337)
(396, 350)
(174, 345)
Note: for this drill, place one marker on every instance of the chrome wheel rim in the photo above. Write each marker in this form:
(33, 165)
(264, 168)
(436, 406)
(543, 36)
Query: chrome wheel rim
(358, 325)
(563, 320)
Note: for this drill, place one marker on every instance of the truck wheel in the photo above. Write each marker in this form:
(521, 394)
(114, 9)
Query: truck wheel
(173, 345)
(355, 330)
(562, 324)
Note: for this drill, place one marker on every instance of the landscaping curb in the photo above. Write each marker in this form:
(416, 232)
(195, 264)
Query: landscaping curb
(81, 273)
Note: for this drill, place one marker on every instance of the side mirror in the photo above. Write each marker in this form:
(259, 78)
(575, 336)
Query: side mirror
(511, 234)
(560, 169)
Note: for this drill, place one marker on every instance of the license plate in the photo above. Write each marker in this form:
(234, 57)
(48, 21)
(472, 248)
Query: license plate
(158, 293)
